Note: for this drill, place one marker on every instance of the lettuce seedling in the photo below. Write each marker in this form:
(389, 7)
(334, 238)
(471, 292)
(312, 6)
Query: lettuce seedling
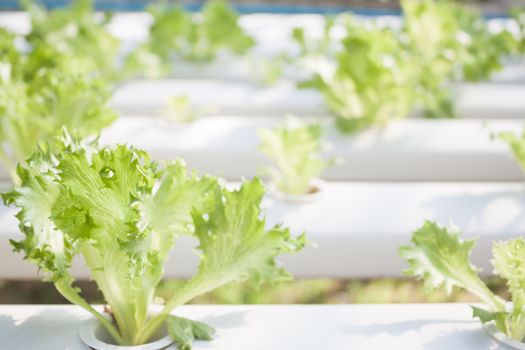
(371, 83)
(192, 37)
(295, 148)
(516, 144)
(440, 257)
(123, 213)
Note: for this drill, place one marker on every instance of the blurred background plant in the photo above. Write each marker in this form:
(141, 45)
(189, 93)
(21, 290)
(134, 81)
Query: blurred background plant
(295, 148)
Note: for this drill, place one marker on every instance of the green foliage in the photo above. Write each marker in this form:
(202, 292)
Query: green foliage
(519, 16)
(34, 109)
(123, 213)
(60, 81)
(371, 83)
(268, 71)
(516, 144)
(320, 46)
(430, 29)
(483, 52)
(193, 37)
(449, 41)
(73, 37)
(179, 109)
(440, 42)
(440, 257)
(295, 148)
(184, 331)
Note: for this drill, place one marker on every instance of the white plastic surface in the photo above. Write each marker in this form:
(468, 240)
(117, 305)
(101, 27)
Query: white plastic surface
(357, 227)
(503, 338)
(225, 97)
(138, 97)
(276, 327)
(405, 150)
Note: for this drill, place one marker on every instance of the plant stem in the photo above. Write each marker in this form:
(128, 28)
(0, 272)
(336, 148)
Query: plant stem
(479, 288)
(190, 290)
(71, 294)
(518, 328)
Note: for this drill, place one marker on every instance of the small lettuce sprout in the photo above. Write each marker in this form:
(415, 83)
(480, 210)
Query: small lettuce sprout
(123, 213)
(268, 71)
(179, 109)
(295, 148)
(440, 257)
(516, 144)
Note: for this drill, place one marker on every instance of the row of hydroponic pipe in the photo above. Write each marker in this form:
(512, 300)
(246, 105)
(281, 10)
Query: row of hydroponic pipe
(123, 211)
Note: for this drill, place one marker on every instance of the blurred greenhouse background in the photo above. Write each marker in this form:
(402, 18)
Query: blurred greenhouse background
(370, 123)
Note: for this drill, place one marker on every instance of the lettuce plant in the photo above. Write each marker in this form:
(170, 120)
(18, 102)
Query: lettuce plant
(34, 109)
(295, 148)
(371, 83)
(315, 46)
(42, 91)
(123, 213)
(382, 73)
(9, 54)
(440, 257)
(196, 37)
(429, 33)
(483, 49)
(449, 41)
(519, 17)
(75, 36)
(516, 144)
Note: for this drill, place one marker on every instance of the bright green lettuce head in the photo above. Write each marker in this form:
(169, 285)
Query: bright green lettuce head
(123, 213)
(296, 150)
(440, 257)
